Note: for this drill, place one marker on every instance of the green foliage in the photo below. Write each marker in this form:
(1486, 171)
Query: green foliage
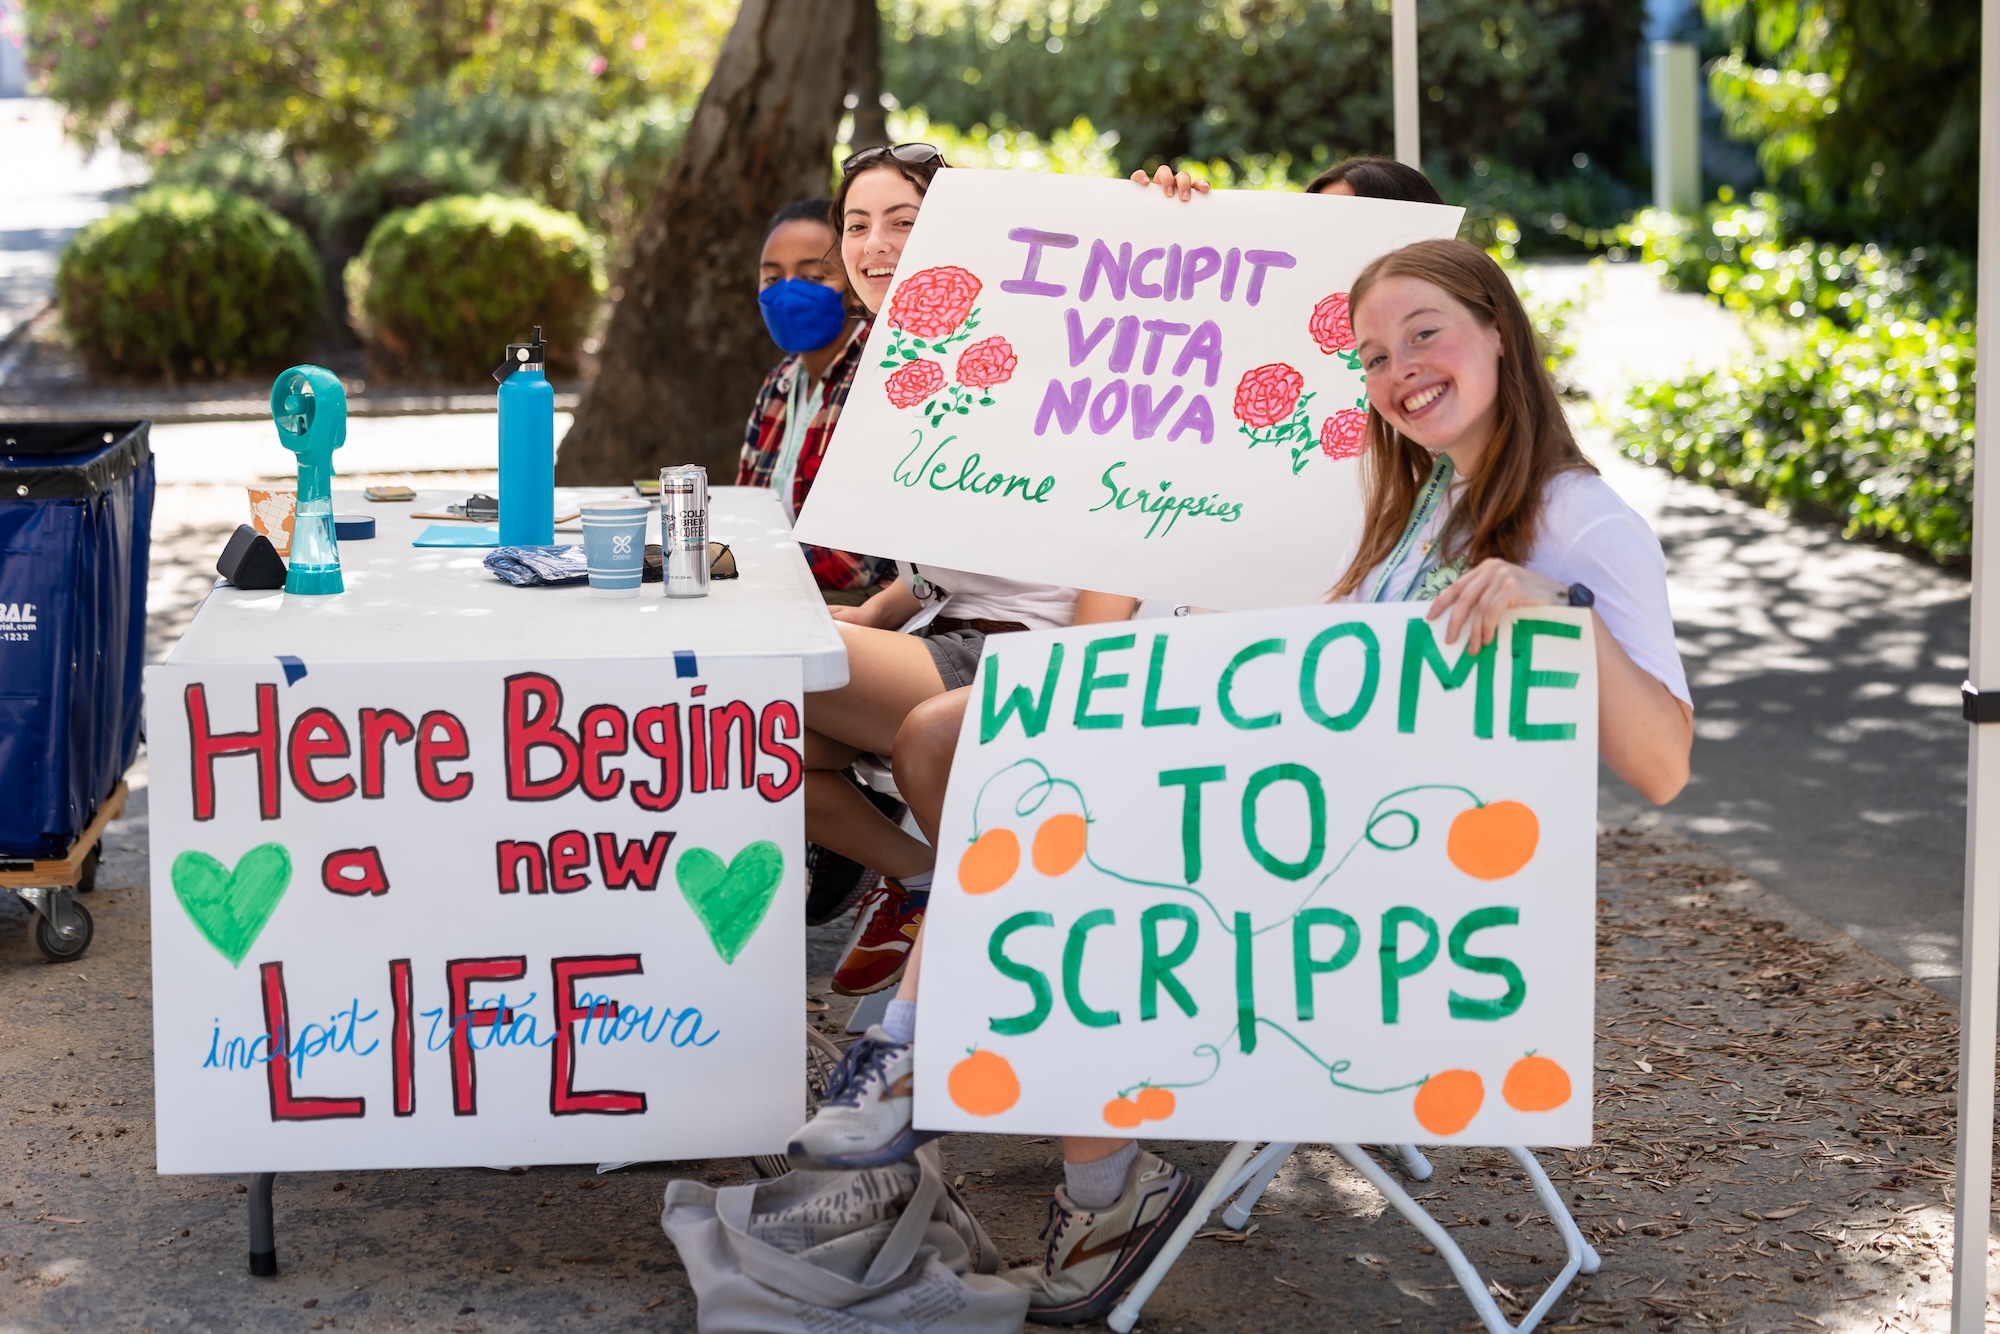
(189, 281)
(403, 175)
(1871, 425)
(1075, 149)
(1572, 212)
(1867, 109)
(253, 165)
(442, 288)
(332, 80)
(1859, 401)
(559, 150)
(1235, 80)
(1739, 253)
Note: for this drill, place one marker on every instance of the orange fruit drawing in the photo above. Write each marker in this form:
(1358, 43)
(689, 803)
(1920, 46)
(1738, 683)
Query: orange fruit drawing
(1155, 1104)
(990, 862)
(1493, 841)
(1536, 1084)
(1059, 843)
(1123, 1113)
(1447, 1102)
(984, 1084)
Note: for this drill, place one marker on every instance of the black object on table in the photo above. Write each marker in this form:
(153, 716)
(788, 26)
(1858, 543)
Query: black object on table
(250, 561)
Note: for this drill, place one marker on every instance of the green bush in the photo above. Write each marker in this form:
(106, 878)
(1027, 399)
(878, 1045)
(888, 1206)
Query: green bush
(256, 166)
(441, 289)
(403, 175)
(189, 281)
(558, 151)
(1208, 79)
(1869, 424)
(1740, 253)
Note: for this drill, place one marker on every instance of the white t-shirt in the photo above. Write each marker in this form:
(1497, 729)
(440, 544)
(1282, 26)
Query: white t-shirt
(1589, 536)
(973, 597)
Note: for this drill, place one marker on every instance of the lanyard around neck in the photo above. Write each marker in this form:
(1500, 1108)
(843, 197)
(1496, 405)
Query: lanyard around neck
(1420, 514)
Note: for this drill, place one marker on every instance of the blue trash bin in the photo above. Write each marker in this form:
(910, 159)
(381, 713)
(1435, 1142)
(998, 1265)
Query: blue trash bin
(76, 514)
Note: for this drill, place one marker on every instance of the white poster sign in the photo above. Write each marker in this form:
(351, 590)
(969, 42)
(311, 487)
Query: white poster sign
(442, 914)
(1308, 875)
(1080, 382)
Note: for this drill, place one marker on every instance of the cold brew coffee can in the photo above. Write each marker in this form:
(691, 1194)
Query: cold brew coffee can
(684, 530)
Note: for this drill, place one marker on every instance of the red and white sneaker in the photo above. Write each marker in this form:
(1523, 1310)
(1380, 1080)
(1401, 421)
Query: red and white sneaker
(885, 928)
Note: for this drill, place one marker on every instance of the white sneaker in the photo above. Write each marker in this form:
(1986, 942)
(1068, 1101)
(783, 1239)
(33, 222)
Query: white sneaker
(1095, 1254)
(864, 1120)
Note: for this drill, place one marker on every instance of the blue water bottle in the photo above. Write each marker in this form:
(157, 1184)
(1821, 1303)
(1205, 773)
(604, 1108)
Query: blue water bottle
(527, 447)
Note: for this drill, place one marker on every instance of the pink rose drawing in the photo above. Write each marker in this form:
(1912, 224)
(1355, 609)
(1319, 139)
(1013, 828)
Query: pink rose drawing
(1340, 436)
(914, 382)
(1332, 326)
(934, 302)
(1266, 395)
(1271, 404)
(988, 362)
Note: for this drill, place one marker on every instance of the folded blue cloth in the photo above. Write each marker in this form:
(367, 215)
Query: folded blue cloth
(521, 566)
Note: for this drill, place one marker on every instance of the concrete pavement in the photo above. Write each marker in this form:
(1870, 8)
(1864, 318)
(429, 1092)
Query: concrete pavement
(1829, 756)
(53, 189)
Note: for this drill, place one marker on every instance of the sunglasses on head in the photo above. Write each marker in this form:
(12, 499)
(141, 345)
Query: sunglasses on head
(913, 154)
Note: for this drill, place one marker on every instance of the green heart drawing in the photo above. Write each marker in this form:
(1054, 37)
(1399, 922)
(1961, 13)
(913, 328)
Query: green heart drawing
(229, 907)
(731, 900)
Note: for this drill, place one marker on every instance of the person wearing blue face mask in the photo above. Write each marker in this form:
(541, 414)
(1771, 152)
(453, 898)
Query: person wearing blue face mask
(802, 292)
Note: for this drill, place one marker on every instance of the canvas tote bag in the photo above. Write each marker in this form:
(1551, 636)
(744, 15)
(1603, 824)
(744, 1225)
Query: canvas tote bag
(884, 1251)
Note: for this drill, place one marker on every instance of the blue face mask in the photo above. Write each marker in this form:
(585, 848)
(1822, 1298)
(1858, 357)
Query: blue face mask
(803, 316)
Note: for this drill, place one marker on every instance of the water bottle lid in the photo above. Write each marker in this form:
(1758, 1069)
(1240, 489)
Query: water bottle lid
(522, 356)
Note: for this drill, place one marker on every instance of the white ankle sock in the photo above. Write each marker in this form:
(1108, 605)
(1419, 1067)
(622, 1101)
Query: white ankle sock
(1098, 1185)
(916, 884)
(899, 1021)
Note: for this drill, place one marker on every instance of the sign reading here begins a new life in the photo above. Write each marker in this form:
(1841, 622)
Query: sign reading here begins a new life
(1083, 383)
(445, 914)
(1305, 875)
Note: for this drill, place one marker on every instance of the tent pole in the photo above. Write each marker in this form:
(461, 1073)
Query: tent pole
(1403, 64)
(1979, 994)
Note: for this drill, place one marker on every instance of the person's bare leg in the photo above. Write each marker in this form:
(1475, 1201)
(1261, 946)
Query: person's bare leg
(925, 745)
(923, 751)
(888, 675)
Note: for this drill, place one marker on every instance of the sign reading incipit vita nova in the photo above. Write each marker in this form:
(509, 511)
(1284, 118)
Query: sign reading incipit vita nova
(433, 915)
(1306, 875)
(1083, 383)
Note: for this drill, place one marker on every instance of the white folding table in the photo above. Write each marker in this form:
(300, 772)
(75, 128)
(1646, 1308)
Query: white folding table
(440, 604)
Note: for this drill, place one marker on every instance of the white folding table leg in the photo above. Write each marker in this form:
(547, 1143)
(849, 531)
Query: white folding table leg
(1581, 1258)
(1415, 1165)
(1126, 1313)
(1255, 1178)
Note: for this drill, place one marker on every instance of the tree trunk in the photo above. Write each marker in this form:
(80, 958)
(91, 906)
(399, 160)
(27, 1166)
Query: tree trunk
(871, 122)
(686, 348)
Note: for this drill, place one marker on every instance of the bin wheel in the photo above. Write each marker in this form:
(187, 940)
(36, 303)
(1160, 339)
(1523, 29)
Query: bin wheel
(53, 947)
(87, 879)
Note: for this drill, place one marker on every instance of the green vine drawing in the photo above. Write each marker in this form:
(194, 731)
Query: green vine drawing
(1376, 831)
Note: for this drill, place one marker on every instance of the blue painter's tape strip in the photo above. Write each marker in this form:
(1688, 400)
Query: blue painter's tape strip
(684, 663)
(295, 670)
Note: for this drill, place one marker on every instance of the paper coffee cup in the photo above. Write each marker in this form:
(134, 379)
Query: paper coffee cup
(271, 513)
(614, 546)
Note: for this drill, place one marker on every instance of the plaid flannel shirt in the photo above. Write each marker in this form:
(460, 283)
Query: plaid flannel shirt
(765, 437)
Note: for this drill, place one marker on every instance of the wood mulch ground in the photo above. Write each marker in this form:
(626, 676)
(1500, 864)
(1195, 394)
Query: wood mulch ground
(1775, 1121)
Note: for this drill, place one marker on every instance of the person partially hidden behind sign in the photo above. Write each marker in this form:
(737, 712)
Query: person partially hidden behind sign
(917, 637)
(1478, 500)
(802, 293)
